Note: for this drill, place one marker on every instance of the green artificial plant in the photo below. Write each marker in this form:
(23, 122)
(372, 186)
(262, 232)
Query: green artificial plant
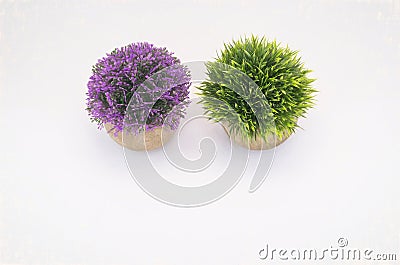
(278, 73)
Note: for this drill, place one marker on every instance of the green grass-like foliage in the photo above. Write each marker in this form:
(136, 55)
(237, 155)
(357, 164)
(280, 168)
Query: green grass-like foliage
(276, 71)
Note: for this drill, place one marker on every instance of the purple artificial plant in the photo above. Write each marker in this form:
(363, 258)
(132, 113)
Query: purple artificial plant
(138, 87)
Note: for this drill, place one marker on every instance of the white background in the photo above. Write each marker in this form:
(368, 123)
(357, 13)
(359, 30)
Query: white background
(66, 196)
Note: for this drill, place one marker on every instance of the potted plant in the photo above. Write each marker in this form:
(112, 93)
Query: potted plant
(138, 93)
(258, 90)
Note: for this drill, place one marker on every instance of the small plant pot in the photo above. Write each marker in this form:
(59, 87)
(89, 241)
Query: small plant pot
(257, 143)
(251, 81)
(116, 88)
(150, 140)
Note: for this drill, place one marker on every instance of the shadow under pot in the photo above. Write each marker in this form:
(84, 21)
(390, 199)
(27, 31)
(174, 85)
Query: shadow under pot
(149, 140)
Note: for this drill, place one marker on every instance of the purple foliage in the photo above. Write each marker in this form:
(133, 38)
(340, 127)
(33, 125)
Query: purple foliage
(138, 86)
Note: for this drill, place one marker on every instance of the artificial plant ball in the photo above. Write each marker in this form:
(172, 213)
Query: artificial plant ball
(121, 75)
(277, 72)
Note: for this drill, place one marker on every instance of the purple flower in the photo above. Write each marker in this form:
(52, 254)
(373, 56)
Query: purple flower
(138, 87)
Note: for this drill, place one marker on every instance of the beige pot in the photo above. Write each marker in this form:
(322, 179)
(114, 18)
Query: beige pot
(150, 140)
(259, 143)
